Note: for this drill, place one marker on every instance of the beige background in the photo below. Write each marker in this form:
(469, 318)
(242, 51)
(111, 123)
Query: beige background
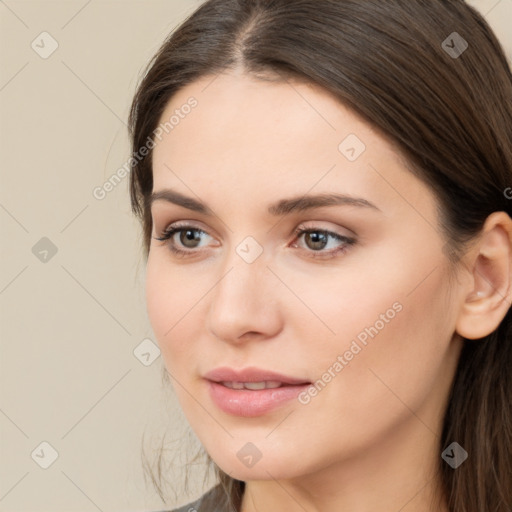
(70, 324)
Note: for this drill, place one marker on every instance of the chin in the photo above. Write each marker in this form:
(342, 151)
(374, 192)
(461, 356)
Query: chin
(248, 464)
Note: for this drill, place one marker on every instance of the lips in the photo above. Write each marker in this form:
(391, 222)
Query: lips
(252, 375)
(252, 392)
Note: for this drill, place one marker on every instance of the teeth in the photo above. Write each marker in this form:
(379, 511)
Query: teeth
(255, 386)
(273, 384)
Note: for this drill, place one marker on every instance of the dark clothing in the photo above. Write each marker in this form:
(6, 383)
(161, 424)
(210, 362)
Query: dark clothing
(215, 500)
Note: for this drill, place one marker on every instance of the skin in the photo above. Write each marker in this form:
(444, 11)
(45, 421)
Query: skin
(370, 439)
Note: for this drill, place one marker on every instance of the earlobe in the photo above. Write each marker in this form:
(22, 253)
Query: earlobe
(489, 294)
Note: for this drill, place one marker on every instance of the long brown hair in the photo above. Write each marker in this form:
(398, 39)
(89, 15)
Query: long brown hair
(433, 79)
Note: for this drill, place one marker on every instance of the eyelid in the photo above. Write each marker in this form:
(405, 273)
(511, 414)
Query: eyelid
(318, 225)
(182, 225)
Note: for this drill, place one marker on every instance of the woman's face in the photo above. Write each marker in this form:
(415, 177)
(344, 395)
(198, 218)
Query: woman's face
(341, 336)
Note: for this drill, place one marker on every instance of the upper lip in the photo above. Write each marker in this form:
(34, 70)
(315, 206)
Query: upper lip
(226, 374)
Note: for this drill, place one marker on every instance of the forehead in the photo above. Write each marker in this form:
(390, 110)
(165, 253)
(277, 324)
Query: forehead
(252, 139)
(235, 111)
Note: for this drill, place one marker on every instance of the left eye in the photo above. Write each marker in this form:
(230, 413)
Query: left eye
(318, 239)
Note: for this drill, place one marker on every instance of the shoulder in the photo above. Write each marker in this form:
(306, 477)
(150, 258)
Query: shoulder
(212, 501)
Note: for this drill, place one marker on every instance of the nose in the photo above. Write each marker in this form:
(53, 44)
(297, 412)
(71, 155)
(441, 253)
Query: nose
(244, 303)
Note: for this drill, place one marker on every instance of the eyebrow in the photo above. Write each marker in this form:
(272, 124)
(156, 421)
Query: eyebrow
(281, 207)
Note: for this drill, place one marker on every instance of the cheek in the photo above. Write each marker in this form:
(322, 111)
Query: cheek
(393, 320)
(170, 299)
(404, 357)
(389, 290)
(342, 303)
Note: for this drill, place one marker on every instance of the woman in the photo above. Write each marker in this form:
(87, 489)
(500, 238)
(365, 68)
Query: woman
(322, 186)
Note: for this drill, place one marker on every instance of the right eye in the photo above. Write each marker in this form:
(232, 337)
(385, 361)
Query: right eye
(188, 238)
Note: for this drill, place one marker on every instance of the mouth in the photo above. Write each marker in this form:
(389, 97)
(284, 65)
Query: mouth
(253, 376)
(254, 386)
(252, 392)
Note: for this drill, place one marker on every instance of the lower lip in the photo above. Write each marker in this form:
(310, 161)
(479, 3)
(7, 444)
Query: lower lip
(249, 403)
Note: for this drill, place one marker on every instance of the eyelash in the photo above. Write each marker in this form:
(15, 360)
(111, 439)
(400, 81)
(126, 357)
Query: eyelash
(321, 254)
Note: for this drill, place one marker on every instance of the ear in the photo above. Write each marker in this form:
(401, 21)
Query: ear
(489, 293)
